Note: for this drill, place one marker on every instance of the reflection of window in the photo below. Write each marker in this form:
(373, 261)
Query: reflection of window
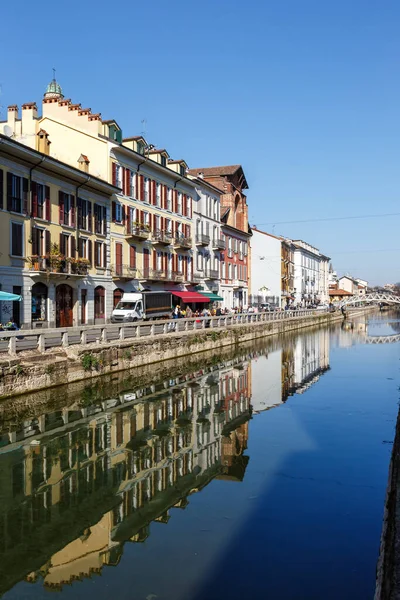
(17, 239)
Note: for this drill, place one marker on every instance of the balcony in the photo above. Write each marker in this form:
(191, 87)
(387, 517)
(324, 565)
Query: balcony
(138, 231)
(196, 278)
(161, 275)
(219, 244)
(162, 237)
(58, 265)
(202, 239)
(124, 272)
(212, 274)
(183, 242)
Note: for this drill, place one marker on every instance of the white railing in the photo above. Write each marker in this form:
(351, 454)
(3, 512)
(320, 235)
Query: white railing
(43, 339)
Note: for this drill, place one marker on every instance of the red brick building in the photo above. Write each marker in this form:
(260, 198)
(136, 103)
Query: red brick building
(235, 263)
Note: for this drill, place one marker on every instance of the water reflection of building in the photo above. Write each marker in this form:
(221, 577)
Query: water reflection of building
(310, 359)
(79, 483)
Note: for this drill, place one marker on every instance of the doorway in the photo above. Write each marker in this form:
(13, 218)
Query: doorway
(64, 305)
(16, 306)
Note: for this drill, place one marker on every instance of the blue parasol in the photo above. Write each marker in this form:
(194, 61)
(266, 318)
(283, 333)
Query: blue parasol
(6, 297)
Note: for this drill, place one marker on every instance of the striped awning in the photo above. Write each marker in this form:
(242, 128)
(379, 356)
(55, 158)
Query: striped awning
(211, 296)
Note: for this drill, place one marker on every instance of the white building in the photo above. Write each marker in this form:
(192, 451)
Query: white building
(266, 271)
(208, 243)
(311, 274)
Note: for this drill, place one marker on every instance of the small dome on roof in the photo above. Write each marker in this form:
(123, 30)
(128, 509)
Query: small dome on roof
(53, 90)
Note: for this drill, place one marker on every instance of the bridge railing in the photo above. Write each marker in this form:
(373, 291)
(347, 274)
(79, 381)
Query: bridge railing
(13, 342)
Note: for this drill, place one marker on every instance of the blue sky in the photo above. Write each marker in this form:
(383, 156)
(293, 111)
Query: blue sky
(304, 94)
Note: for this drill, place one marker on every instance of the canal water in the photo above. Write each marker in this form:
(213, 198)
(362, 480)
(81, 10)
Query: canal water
(258, 474)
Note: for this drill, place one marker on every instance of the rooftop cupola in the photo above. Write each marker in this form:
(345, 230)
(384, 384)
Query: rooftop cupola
(53, 90)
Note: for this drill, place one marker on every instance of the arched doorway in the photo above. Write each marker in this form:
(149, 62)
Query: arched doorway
(118, 293)
(99, 302)
(64, 305)
(39, 302)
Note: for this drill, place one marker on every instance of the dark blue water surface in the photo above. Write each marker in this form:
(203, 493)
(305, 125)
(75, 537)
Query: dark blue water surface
(257, 475)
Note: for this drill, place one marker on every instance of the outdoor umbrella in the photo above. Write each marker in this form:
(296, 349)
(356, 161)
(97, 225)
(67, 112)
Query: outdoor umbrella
(6, 297)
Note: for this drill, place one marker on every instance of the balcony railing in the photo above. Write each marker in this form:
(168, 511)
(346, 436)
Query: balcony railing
(212, 274)
(182, 241)
(124, 272)
(202, 239)
(140, 231)
(161, 275)
(162, 237)
(219, 244)
(58, 265)
(196, 278)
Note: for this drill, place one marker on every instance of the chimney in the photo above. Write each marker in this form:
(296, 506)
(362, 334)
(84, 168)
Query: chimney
(83, 163)
(12, 116)
(200, 175)
(43, 144)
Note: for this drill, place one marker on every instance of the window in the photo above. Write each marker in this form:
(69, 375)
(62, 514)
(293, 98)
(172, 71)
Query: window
(216, 216)
(180, 263)
(199, 261)
(40, 201)
(158, 194)
(83, 248)
(64, 244)
(146, 189)
(169, 199)
(132, 176)
(99, 254)
(188, 206)
(84, 214)
(118, 212)
(229, 271)
(146, 218)
(168, 225)
(38, 241)
(99, 302)
(182, 170)
(179, 204)
(17, 192)
(67, 209)
(17, 239)
(100, 219)
(118, 176)
(163, 160)
(140, 148)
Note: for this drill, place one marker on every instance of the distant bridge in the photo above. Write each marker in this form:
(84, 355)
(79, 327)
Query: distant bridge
(383, 339)
(372, 298)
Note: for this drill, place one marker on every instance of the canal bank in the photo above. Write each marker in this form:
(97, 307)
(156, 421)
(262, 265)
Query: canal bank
(33, 371)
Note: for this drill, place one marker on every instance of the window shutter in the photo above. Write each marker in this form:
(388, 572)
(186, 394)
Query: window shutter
(25, 187)
(1, 189)
(123, 213)
(132, 257)
(72, 211)
(114, 173)
(73, 246)
(104, 224)
(61, 244)
(34, 199)
(154, 260)
(47, 241)
(61, 207)
(90, 255)
(105, 256)
(47, 202)
(114, 211)
(141, 187)
(9, 190)
(96, 254)
(89, 216)
(128, 219)
(154, 193)
(35, 245)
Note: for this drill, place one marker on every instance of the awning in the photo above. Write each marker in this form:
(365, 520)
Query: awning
(212, 297)
(189, 296)
(6, 297)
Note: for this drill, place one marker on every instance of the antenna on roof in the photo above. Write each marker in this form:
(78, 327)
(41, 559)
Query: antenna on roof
(54, 74)
(144, 124)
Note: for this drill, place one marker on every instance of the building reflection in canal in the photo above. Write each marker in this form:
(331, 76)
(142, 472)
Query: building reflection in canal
(76, 484)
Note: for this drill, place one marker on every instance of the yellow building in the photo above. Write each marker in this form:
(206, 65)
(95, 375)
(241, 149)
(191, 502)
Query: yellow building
(151, 237)
(54, 243)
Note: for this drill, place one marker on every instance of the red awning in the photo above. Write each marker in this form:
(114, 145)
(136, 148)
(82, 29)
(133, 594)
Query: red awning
(190, 296)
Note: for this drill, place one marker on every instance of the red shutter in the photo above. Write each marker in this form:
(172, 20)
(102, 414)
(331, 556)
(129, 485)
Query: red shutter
(114, 211)
(34, 199)
(1, 189)
(72, 211)
(47, 203)
(184, 205)
(123, 213)
(61, 207)
(89, 216)
(25, 187)
(132, 257)
(73, 246)
(114, 173)
(154, 260)
(141, 187)
(90, 251)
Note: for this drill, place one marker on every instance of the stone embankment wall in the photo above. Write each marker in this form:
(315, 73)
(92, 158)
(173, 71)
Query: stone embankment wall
(388, 568)
(35, 371)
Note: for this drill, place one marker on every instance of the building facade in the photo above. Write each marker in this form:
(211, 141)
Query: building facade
(266, 265)
(311, 274)
(235, 263)
(54, 248)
